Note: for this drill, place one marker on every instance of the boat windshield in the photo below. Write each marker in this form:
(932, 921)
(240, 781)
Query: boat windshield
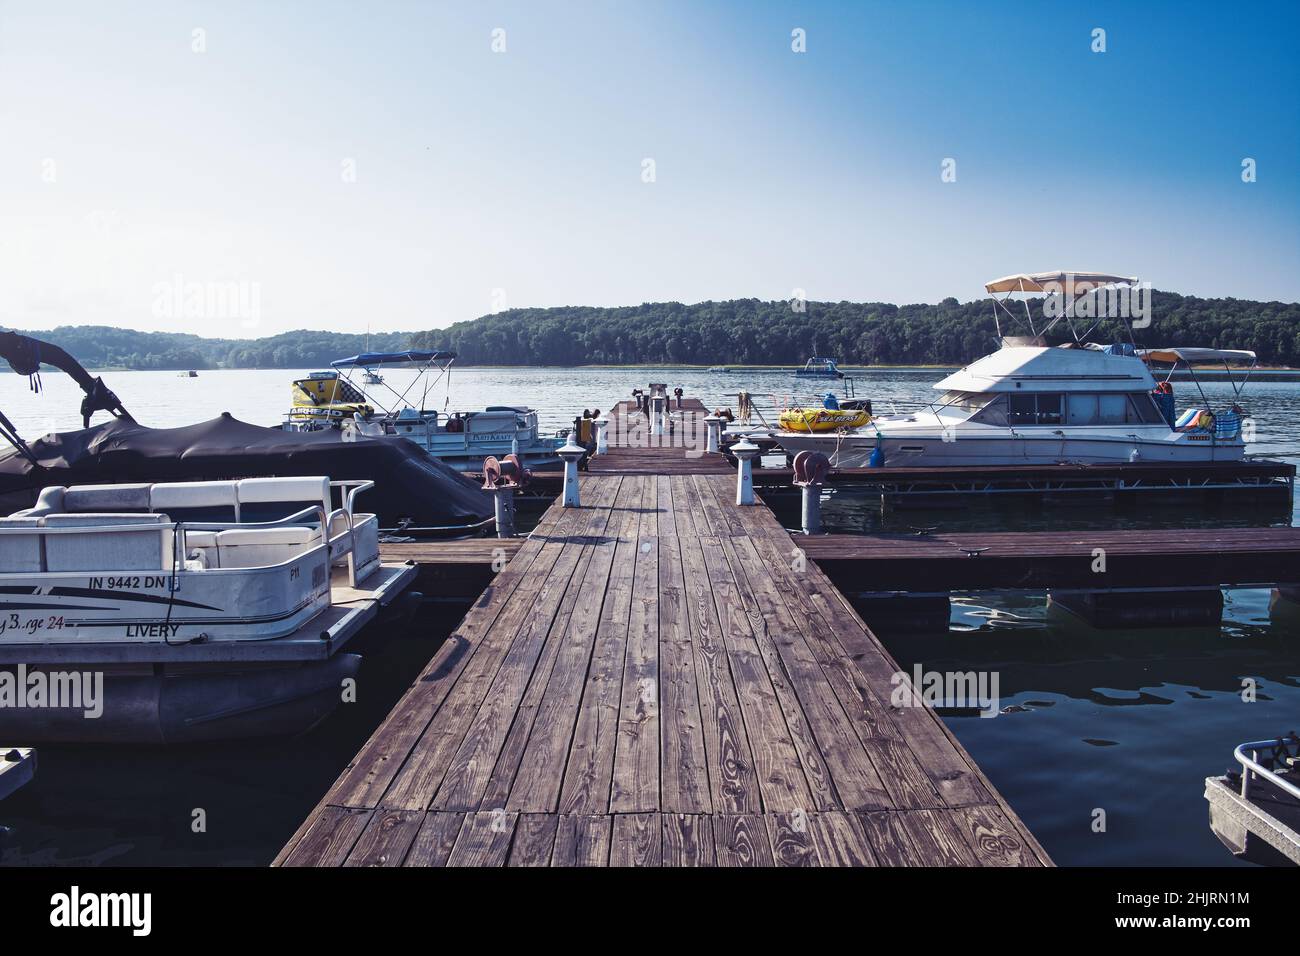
(966, 401)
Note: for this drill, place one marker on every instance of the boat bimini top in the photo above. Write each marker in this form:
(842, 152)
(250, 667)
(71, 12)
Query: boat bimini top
(1074, 288)
(1198, 356)
(180, 562)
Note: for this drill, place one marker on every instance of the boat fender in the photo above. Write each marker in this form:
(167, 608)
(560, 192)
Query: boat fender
(877, 459)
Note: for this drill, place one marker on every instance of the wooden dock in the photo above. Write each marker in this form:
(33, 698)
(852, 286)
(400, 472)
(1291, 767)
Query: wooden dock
(1174, 559)
(656, 679)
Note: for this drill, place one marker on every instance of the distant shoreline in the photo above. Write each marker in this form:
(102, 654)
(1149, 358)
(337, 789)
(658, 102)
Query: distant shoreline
(730, 369)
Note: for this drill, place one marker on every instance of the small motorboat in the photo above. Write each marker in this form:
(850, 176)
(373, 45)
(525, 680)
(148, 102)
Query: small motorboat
(183, 611)
(819, 368)
(461, 439)
(188, 374)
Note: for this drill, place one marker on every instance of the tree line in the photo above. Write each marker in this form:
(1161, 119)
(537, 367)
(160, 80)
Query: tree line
(755, 332)
(732, 332)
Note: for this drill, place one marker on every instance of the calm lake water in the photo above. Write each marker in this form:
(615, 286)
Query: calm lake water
(1130, 722)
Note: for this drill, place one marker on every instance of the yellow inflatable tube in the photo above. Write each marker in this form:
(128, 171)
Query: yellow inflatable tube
(821, 419)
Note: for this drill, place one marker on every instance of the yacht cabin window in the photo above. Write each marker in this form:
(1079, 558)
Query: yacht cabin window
(1034, 408)
(1054, 408)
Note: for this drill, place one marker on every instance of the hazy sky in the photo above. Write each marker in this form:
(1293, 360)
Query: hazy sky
(352, 164)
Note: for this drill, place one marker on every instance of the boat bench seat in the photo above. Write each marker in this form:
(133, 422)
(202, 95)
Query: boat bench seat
(248, 500)
(270, 499)
(20, 552)
(143, 550)
(104, 499)
(259, 547)
(194, 500)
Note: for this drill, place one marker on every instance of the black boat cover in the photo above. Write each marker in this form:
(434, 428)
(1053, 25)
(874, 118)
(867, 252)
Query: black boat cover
(409, 483)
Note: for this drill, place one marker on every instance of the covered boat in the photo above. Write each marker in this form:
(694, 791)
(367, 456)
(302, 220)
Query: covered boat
(413, 491)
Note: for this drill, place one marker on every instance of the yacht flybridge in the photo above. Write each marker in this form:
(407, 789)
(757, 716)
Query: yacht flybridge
(334, 399)
(1035, 403)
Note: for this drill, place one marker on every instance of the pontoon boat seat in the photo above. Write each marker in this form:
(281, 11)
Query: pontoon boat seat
(20, 552)
(261, 547)
(106, 498)
(270, 499)
(49, 501)
(143, 550)
(194, 500)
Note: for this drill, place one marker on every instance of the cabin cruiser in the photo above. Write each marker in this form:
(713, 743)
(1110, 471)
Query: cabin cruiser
(332, 399)
(183, 611)
(1035, 403)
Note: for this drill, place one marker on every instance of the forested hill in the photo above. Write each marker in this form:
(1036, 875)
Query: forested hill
(101, 346)
(752, 332)
(735, 332)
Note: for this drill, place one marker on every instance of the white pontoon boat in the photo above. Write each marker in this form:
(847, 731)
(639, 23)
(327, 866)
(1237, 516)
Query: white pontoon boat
(332, 399)
(208, 609)
(1031, 403)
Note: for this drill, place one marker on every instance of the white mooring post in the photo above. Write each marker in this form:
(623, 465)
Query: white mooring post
(713, 430)
(657, 415)
(745, 452)
(602, 441)
(571, 452)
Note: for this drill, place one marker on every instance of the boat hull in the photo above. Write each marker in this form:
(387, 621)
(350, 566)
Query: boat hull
(933, 450)
(170, 704)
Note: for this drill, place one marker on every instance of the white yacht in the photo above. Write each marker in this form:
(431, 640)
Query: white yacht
(205, 609)
(1040, 404)
(462, 439)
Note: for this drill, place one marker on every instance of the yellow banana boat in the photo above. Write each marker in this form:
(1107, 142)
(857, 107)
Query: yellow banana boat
(822, 419)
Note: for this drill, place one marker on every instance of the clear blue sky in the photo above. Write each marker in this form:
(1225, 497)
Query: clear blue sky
(522, 171)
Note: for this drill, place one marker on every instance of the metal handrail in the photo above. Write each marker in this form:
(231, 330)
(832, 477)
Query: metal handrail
(354, 486)
(1251, 764)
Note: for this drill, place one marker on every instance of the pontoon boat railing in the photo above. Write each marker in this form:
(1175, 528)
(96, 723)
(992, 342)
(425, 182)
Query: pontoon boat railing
(1251, 765)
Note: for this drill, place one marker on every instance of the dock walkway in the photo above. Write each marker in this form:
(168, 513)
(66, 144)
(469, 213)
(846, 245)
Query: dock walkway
(660, 678)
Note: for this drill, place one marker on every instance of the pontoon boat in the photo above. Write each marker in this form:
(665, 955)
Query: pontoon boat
(1035, 403)
(331, 399)
(182, 611)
